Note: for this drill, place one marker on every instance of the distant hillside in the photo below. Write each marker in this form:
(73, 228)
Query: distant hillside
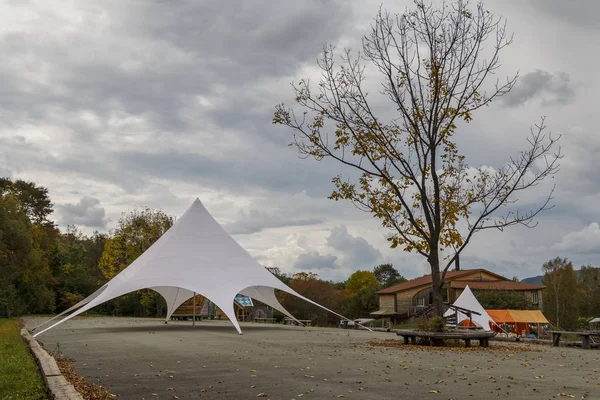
(538, 279)
(534, 279)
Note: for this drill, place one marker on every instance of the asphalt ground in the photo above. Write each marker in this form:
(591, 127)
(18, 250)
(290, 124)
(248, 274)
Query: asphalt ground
(146, 359)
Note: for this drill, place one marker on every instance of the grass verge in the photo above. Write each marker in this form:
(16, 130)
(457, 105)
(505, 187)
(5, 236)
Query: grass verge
(19, 376)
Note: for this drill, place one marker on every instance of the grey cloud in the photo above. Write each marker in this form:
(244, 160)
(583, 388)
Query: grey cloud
(358, 253)
(153, 58)
(508, 269)
(580, 13)
(86, 212)
(551, 88)
(255, 221)
(153, 61)
(586, 240)
(314, 260)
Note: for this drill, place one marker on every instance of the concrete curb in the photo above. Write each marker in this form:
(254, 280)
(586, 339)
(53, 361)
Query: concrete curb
(58, 386)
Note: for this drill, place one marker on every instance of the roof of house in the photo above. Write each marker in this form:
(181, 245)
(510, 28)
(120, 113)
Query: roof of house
(502, 283)
(499, 285)
(426, 280)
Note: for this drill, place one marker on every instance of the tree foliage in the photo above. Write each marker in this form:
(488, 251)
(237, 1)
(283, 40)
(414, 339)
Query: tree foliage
(503, 299)
(24, 277)
(588, 280)
(34, 200)
(74, 266)
(135, 232)
(361, 279)
(434, 65)
(361, 288)
(283, 277)
(309, 284)
(561, 294)
(387, 275)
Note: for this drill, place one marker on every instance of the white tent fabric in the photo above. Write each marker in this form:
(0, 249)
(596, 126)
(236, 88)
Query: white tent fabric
(468, 301)
(194, 255)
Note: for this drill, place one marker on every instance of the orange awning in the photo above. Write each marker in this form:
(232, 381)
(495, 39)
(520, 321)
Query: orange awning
(501, 316)
(530, 316)
(514, 316)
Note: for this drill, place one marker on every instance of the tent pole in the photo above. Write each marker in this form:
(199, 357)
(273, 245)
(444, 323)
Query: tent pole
(194, 312)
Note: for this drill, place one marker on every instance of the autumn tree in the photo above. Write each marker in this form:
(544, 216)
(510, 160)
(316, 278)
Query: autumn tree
(588, 279)
(360, 279)
(309, 284)
(33, 199)
(361, 288)
(503, 299)
(387, 275)
(134, 234)
(74, 265)
(283, 277)
(434, 64)
(24, 277)
(560, 295)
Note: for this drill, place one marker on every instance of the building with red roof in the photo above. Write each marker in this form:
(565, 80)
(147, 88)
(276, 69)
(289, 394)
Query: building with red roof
(408, 298)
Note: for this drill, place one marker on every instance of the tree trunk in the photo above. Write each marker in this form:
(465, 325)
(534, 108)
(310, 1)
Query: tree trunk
(437, 283)
(159, 308)
(557, 307)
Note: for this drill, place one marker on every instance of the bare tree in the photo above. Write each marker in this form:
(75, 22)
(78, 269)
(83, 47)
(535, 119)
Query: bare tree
(413, 178)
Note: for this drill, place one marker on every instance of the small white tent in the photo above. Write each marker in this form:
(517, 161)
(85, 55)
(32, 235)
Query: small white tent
(195, 255)
(468, 301)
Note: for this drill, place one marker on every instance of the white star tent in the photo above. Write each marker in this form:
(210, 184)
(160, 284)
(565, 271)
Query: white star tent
(195, 255)
(468, 301)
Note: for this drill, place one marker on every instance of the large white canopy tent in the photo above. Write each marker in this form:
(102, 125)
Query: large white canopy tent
(467, 301)
(196, 255)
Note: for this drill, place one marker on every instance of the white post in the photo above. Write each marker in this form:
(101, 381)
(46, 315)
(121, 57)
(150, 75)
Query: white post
(194, 312)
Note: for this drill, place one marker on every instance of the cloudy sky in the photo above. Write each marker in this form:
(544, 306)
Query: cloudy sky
(117, 104)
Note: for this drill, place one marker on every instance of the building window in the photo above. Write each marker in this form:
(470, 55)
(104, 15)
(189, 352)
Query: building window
(420, 301)
(534, 297)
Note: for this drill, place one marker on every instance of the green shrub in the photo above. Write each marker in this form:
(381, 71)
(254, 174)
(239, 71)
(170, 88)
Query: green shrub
(436, 324)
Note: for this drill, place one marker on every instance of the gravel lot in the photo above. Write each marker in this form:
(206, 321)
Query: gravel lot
(146, 359)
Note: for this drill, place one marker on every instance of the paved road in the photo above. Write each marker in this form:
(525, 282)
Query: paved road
(145, 359)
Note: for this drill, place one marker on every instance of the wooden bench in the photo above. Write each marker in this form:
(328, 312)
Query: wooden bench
(585, 338)
(289, 321)
(265, 320)
(433, 337)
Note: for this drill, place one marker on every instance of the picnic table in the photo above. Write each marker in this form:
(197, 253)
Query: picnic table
(264, 320)
(433, 337)
(585, 338)
(290, 321)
